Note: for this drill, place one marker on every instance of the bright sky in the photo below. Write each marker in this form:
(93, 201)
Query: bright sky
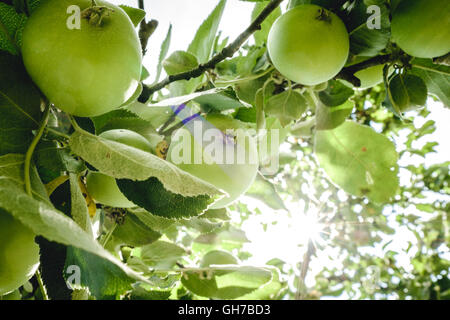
(283, 242)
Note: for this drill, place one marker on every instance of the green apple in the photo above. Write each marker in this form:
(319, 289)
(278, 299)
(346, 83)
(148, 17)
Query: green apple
(87, 71)
(309, 44)
(421, 28)
(19, 254)
(228, 162)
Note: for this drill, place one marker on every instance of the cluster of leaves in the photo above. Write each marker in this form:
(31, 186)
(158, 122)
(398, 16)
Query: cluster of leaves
(172, 246)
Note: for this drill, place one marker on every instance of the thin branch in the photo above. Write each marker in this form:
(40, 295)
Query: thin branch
(146, 29)
(300, 295)
(348, 73)
(171, 130)
(41, 286)
(226, 53)
(32, 147)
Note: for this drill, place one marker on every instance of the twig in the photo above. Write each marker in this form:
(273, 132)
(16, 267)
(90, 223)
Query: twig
(27, 176)
(172, 118)
(32, 147)
(108, 235)
(41, 285)
(348, 73)
(227, 52)
(179, 125)
(304, 270)
(58, 133)
(146, 29)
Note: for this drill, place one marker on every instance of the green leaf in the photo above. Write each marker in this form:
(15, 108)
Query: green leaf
(270, 291)
(123, 162)
(161, 254)
(201, 284)
(11, 27)
(328, 118)
(203, 42)
(79, 210)
(156, 223)
(104, 279)
(139, 108)
(226, 281)
(200, 224)
(261, 35)
(436, 77)
(228, 238)
(19, 106)
(408, 92)
(153, 197)
(204, 283)
(123, 119)
(144, 74)
(265, 191)
(246, 90)
(216, 257)
(179, 62)
(134, 232)
(136, 15)
(163, 53)
(359, 160)
(140, 293)
(41, 217)
(287, 106)
(216, 214)
(156, 116)
(52, 160)
(365, 41)
(336, 94)
(225, 100)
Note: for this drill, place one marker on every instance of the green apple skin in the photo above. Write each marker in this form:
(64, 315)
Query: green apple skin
(103, 188)
(85, 72)
(307, 49)
(128, 137)
(19, 254)
(233, 178)
(421, 28)
(13, 296)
